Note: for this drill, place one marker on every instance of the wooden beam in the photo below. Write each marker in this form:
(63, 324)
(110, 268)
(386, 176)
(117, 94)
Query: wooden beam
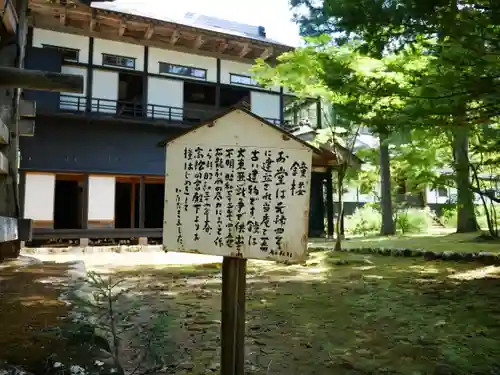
(49, 24)
(93, 20)
(223, 46)
(40, 80)
(267, 53)
(149, 32)
(245, 50)
(122, 28)
(62, 18)
(175, 37)
(198, 42)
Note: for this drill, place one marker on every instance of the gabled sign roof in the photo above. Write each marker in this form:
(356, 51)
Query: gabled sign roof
(211, 121)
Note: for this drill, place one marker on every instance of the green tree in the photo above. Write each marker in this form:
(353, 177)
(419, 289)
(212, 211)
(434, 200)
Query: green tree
(360, 88)
(453, 92)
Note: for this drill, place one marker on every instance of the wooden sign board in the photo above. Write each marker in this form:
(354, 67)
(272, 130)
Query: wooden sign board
(238, 187)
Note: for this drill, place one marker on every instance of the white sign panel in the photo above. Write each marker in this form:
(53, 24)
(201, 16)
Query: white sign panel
(238, 188)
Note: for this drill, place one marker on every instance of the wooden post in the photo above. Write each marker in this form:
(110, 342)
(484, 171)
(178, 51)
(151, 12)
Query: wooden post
(132, 205)
(85, 202)
(233, 316)
(329, 202)
(142, 202)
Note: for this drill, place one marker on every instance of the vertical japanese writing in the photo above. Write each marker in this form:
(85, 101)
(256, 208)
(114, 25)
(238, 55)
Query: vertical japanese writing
(252, 224)
(280, 219)
(207, 175)
(219, 188)
(299, 173)
(266, 180)
(239, 200)
(178, 223)
(241, 186)
(188, 170)
(197, 197)
(229, 165)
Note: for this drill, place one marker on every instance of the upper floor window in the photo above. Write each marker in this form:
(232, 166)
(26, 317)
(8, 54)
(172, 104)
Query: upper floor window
(119, 61)
(69, 54)
(240, 79)
(181, 70)
(442, 191)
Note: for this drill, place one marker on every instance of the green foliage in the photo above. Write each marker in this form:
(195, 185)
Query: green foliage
(449, 216)
(413, 220)
(365, 220)
(106, 308)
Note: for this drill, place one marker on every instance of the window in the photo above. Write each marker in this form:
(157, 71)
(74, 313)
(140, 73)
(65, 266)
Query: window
(69, 54)
(182, 70)
(240, 79)
(120, 61)
(442, 191)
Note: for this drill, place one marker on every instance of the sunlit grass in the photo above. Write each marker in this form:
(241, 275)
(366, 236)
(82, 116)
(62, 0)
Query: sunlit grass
(457, 242)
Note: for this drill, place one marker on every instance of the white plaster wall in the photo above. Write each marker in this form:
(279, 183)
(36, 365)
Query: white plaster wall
(111, 47)
(39, 196)
(157, 55)
(69, 100)
(165, 92)
(351, 195)
(105, 86)
(101, 198)
(41, 36)
(265, 105)
(227, 67)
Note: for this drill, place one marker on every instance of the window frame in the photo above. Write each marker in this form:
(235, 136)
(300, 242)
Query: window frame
(231, 75)
(133, 59)
(62, 50)
(442, 192)
(162, 64)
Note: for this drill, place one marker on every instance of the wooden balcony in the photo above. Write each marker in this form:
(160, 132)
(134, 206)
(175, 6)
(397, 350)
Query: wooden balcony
(106, 109)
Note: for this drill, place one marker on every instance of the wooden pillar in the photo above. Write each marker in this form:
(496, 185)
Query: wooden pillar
(142, 202)
(145, 83)
(233, 316)
(85, 202)
(282, 107)
(22, 192)
(319, 115)
(132, 205)
(11, 58)
(329, 202)
(217, 87)
(90, 75)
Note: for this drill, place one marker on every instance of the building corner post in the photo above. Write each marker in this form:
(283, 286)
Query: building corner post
(329, 202)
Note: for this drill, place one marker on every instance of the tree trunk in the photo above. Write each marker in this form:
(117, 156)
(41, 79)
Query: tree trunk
(466, 216)
(388, 227)
(338, 225)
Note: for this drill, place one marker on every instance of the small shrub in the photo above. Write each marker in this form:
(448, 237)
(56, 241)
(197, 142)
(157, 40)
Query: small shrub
(364, 220)
(449, 217)
(413, 220)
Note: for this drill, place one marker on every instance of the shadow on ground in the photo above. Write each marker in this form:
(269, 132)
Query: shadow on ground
(341, 314)
(28, 305)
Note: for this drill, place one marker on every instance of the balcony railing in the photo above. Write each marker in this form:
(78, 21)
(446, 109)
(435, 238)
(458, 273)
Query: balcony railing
(126, 109)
